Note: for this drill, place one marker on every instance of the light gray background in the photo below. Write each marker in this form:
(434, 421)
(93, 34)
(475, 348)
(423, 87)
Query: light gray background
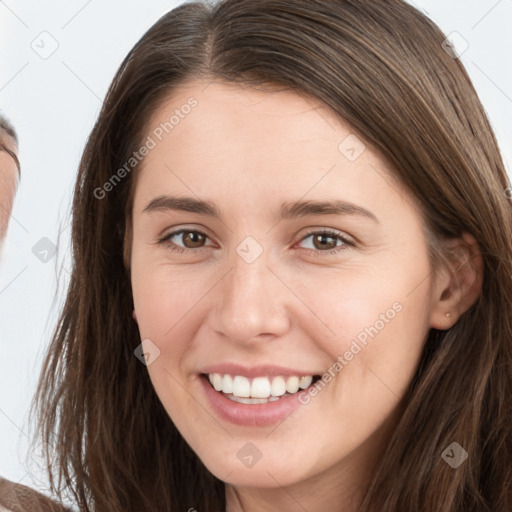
(53, 101)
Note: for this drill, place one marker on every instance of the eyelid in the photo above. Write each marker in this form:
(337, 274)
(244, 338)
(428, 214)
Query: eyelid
(347, 244)
(330, 232)
(165, 238)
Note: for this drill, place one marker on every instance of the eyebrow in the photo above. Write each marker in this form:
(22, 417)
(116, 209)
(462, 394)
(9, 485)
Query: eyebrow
(291, 210)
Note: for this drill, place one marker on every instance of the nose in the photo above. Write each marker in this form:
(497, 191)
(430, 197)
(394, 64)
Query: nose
(251, 302)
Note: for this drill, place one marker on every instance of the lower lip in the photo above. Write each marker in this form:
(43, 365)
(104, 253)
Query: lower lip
(250, 414)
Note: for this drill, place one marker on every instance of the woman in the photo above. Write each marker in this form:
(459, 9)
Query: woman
(252, 371)
(14, 496)
(9, 173)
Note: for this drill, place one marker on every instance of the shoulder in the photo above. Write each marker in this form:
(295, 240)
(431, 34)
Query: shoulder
(16, 497)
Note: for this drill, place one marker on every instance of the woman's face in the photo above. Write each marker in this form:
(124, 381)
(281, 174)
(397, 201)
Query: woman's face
(271, 246)
(8, 183)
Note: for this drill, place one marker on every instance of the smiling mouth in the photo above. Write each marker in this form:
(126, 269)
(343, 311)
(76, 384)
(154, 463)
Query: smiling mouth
(259, 390)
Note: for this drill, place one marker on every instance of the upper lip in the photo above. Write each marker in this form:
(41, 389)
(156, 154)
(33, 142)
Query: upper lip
(255, 371)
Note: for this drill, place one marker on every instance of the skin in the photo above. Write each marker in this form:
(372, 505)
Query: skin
(8, 185)
(239, 148)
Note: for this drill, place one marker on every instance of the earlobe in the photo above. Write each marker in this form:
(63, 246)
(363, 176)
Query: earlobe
(134, 316)
(458, 286)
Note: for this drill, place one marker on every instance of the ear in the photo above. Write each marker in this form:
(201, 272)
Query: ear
(457, 286)
(134, 315)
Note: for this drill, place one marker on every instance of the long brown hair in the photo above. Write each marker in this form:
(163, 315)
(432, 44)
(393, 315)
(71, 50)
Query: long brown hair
(382, 67)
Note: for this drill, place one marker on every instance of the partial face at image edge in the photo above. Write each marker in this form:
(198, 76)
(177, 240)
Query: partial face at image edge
(9, 175)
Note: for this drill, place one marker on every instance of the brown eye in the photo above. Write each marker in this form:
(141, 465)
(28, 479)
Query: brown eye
(190, 239)
(324, 241)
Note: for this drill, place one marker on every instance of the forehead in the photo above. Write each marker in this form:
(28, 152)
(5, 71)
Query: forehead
(8, 165)
(219, 107)
(232, 140)
(7, 142)
(222, 121)
(8, 153)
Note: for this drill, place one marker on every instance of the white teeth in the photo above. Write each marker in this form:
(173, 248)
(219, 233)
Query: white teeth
(261, 389)
(248, 400)
(227, 384)
(305, 382)
(216, 380)
(241, 386)
(292, 384)
(278, 387)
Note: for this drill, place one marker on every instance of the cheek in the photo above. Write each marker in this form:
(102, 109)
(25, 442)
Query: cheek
(380, 354)
(161, 302)
(380, 322)
(165, 305)
(366, 310)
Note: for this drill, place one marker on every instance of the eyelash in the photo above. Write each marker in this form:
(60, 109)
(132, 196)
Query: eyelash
(174, 248)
